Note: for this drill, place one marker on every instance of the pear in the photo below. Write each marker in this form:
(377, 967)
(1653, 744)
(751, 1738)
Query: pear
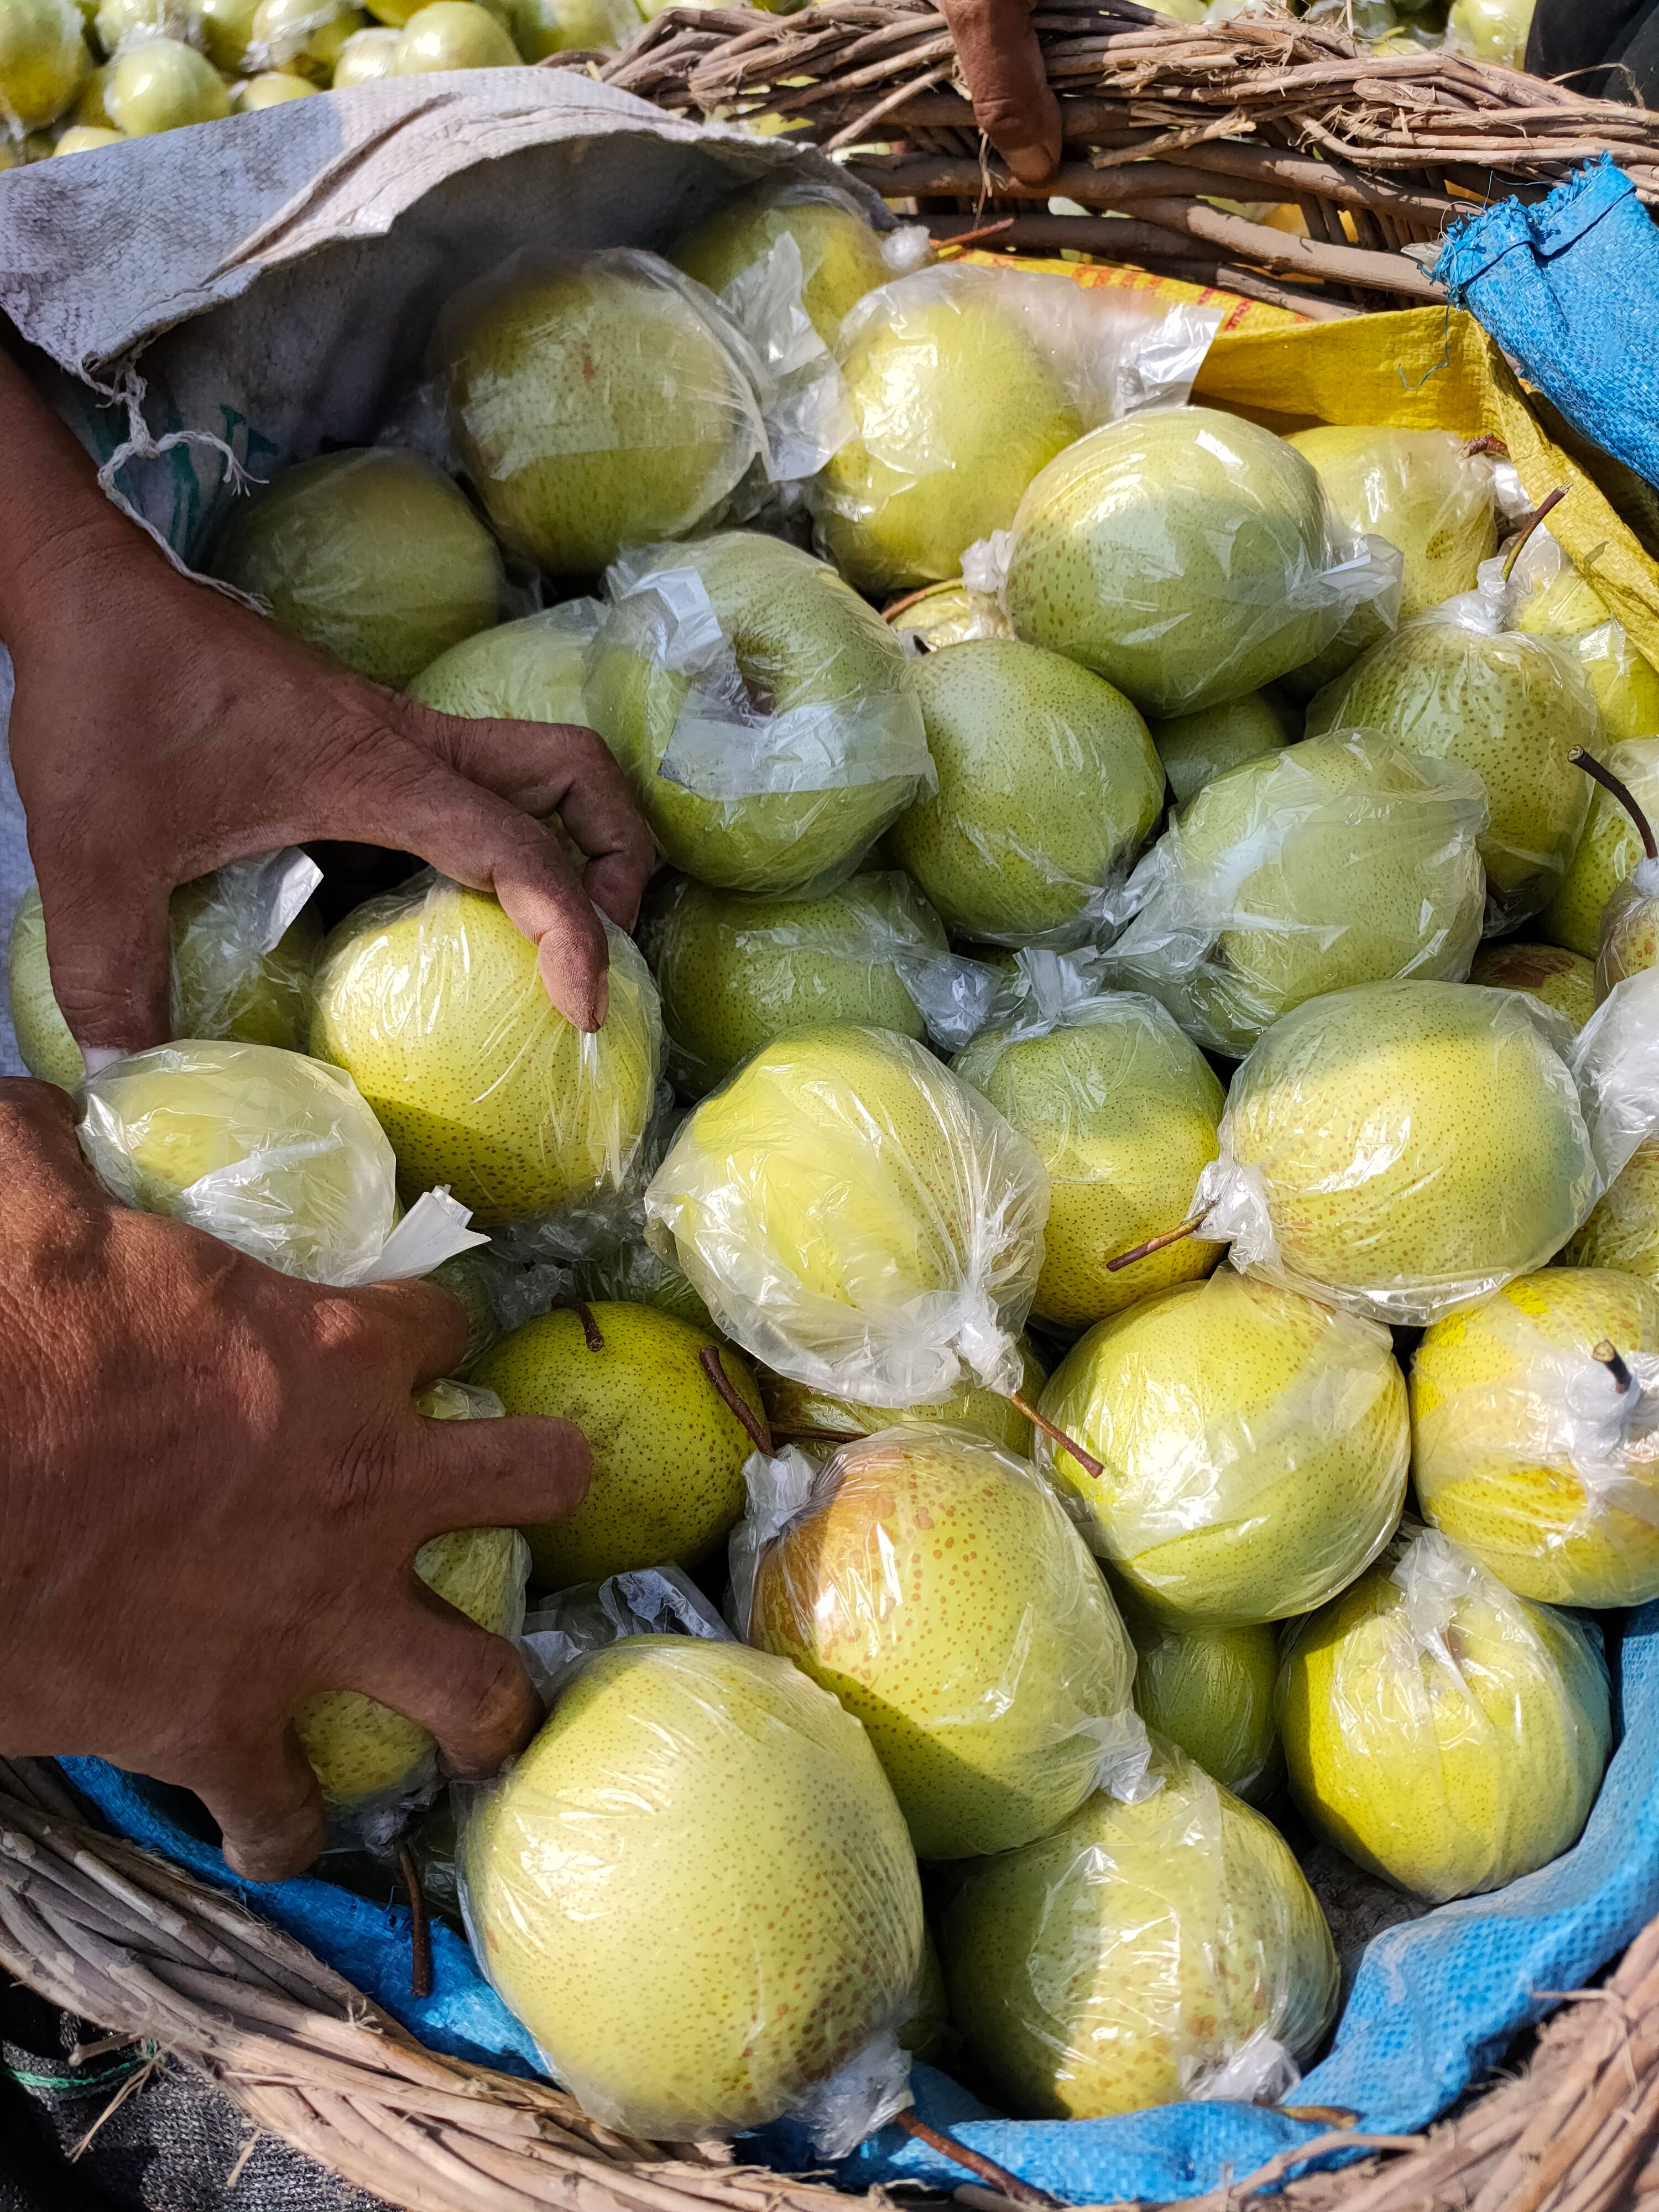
(1404, 1147)
(1630, 920)
(432, 1002)
(541, 28)
(1254, 1447)
(266, 1150)
(454, 34)
(1557, 603)
(1180, 554)
(734, 973)
(365, 57)
(1441, 1732)
(668, 1453)
(304, 37)
(1535, 1436)
(1622, 1231)
(1340, 861)
(1491, 30)
(1421, 490)
(364, 1754)
(1141, 1954)
(635, 1275)
(842, 257)
(227, 32)
(162, 85)
(947, 614)
(1210, 1693)
(1548, 973)
(529, 671)
(121, 23)
(1123, 1111)
(856, 1218)
(1048, 782)
(371, 556)
(272, 89)
(1453, 686)
(84, 138)
(936, 1586)
(596, 401)
(1606, 851)
(695, 1888)
(958, 403)
(799, 1414)
(768, 754)
(1195, 749)
(43, 59)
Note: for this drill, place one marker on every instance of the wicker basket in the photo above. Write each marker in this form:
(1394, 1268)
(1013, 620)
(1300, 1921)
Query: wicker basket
(1370, 155)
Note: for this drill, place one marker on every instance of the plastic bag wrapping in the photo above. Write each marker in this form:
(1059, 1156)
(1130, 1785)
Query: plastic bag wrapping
(1547, 597)
(857, 1219)
(963, 382)
(946, 614)
(1210, 1692)
(1630, 928)
(529, 671)
(1142, 1954)
(1423, 490)
(760, 710)
(937, 1586)
(1441, 1731)
(695, 1888)
(271, 1152)
(597, 400)
(559, 1632)
(1185, 555)
(636, 1275)
(1340, 861)
(1615, 1060)
(431, 1000)
(1536, 1456)
(375, 1768)
(1254, 1446)
(1608, 849)
(1402, 1149)
(1122, 1110)
(816, 1423)
(735, 972)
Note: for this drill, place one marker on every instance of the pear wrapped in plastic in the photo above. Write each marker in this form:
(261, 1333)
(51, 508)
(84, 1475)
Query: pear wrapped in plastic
(431, 1000)
(1550, 598)
(946, 614)
(1608, 850)
(529, 671)
(1195, 749)
(1340, 861)
(936, 1586)
(1616, 1060)
(1441, 1731)
(1402, 1149)
(762, 713)
(857, 1219)
(815, 1423)
(1210, 1693)
(1142, 1954)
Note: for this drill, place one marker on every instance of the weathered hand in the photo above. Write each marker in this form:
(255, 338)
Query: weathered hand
(1012, 103)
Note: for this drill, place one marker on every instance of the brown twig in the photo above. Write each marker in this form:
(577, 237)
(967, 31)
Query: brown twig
(1005, 2184)
(954, 241)
(1529, 523)
(1616, 1364)
(420, 1931)
(712, 1365)
(584, 1313)
(1086, 1459)
(1188, 1228)
(1622, 791)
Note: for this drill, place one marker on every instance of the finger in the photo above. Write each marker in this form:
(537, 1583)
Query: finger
(40, 1118)
(1008, 82)
(110, 957)
(514, 1473)
(425, 1328)
(268, 1806)
(467, 1688)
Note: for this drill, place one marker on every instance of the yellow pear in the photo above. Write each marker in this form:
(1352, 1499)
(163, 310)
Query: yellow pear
(1210, 1693)
(454, 34)
(1418, 488)
(43, 60)
(304, 38)
(1623, 1228)
(529, 671)
(1607, 851)
(270, 88)
(1548, 973)
(161, 84)
(948, 614)
(799, 1414)
(365, 57)
(842, 256)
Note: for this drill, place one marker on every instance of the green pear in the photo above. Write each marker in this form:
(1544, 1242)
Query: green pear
(947, 614)
(595, 403)
(365, 57)
(1180, 554)
(1557, 603)
(270, 88)
(668, 1452)
(841, 256)
(634, 1274)
(928, 2033)
(1548, 973)
(529, 671)
(119, 23)
(162, 85)
(303, 37)
(696, 1830)
(1047, 783)
(1254, 1446)
(958, 403)
(1491, 30)
(431, 1000)
(1405, 1147)
(1131, 1958)
(1421, 490)
(857, 1218)
(1453, 687)
(1195, 749)
(1529, 1452)
(936, 1586)
(83, 138)
(1440, 1731)
(1623, 1228)
(1340, 861)
(227, 32)
(541, 28)
(799, 1414)
(454, 34)
(43, 59)
(1608, 849)
(1122, 1110)
(373, 556)
(1210, 1693)
(803, 721)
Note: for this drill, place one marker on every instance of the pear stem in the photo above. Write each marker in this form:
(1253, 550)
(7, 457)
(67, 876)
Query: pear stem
(997, 2177)
(1614, 1361)
(820, 1436)
(1529, 523)
(915, 599)
(420, 1930)
(584, 1313)
(712, 1365)
(1086, 1459)
(1155, 1244)
(1622, 791)
(962, 237)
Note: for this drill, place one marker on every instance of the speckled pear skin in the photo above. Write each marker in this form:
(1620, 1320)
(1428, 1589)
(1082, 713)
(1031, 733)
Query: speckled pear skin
(1494, 1437)
(1548, 973)
(800, 1414)
(1121, 1962)
(668, 1454)
(1210, 1693)
(1623, 1228)
(841, 255)
(1195, 749)
(1630, 932)
(1572, 612)
(529, 671)
(1607, 851)
(1416, 488)
(941, 1593)
(1254, 1446)
(695, 1888)
(1048, 782)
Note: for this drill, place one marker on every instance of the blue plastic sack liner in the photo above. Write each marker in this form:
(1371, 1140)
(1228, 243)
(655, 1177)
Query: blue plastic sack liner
(1435, 2002)
(1569, 288)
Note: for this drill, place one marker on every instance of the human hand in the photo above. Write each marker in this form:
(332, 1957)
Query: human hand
(212, 1492)
(1003, 65)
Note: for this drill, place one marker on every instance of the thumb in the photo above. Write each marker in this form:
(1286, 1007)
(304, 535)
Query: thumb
(111, 957)
(1007, 80)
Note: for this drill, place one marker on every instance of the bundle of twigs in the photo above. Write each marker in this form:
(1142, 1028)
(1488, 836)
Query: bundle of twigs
(1161, 120)
(121, 1938)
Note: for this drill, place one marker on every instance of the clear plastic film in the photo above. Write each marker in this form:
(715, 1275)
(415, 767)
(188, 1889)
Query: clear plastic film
(760, 711)
(1439, 1730)
(1210, 1693)
(1616, 1060)
(1338, 862)
(431, 1000)
(1187, 557)
(529, 671)
(963, 383)
(1143, 1955)
(1547, 597)
(636, 1275)
(268, 1151)
(936, 1585)
(1254, 1446)
(1539, 1456)
(1608, 850)
(1402, 1149)
(857, 1219)
(1630, 928)
(735, 972)
(946, 614)
(814, 1422)
(1122, 1110)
